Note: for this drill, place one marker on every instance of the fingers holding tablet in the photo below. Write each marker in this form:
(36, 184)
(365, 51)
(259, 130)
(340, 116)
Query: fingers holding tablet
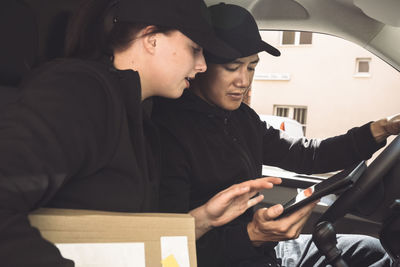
(266, 228)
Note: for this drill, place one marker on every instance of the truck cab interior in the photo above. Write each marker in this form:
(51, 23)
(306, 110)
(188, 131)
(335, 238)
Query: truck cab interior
(33, 33)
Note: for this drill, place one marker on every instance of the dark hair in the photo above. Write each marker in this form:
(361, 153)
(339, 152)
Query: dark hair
(93, 33)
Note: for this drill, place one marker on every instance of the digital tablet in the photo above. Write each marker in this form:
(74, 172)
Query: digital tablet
(332, 185)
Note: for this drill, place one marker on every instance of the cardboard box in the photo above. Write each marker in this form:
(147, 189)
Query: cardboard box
(167, 240)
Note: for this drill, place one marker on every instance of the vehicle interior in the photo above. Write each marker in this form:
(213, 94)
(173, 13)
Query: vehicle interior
(33, 33)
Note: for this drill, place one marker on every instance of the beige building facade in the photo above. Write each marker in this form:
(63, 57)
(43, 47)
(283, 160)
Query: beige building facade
(327, 83)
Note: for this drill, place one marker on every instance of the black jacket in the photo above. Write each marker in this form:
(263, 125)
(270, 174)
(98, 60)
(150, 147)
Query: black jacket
(207, 149)
(76, 138)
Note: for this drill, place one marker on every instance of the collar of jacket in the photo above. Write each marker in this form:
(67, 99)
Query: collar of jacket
(129, 80)
(192, 102)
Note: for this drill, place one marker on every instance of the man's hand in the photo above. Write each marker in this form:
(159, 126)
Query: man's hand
(383, 128)
(263, 228)
(230, 203)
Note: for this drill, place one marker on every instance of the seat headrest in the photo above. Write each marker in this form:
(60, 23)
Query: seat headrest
(19, 41)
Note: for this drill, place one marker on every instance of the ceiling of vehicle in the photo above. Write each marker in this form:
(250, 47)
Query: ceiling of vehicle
(378, 32)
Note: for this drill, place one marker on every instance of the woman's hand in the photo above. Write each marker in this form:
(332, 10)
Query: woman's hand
(263, 228)
(383, 128)
(230, 203)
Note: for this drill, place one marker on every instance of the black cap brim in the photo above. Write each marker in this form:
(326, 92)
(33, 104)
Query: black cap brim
(211, 44)
(269, 49)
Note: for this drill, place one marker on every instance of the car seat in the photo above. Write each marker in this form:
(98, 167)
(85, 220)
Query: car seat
(52, 19)
(18, 46)
(33, 32)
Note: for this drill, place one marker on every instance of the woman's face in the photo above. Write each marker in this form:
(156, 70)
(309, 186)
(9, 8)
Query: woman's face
(224, 85)
(176, 61)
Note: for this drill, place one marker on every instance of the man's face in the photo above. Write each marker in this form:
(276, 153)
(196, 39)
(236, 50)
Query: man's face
(224, 85)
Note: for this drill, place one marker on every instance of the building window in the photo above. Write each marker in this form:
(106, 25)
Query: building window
(281, 111)
(298, 113)
(362, 67)
(288, 38)
(296, 38)
(305, 38)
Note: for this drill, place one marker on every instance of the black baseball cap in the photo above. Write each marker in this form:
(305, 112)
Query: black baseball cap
(237, 27)
(191, 17)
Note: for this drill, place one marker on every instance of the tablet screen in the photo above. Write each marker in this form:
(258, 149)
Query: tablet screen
(332, 185)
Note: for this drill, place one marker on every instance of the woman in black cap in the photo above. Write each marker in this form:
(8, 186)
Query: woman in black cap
(78, 137)
(212, 140)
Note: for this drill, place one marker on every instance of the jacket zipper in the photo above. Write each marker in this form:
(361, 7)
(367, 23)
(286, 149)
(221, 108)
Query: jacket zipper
(244, 155)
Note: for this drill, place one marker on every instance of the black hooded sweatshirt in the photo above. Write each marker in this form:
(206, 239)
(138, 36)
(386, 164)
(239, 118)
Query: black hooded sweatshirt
(76, 138)
(207, 149)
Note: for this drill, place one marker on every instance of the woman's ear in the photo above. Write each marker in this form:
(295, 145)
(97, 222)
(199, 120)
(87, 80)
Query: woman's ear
(149, 39)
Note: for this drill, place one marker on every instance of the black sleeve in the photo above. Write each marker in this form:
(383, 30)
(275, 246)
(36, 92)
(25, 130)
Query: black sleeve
(175, 182)
(311, 156)
(53, 133)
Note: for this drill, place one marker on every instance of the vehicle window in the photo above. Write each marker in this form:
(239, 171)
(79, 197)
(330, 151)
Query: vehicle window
(335, 83)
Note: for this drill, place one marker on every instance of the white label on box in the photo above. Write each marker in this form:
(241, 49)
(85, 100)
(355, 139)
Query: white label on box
(177, 246)
(104, 254)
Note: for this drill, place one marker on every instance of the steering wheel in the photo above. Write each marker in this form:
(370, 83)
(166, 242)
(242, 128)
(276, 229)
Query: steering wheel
(369, 180)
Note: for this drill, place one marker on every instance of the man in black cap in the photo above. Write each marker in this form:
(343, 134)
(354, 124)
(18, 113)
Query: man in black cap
(211, 139)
